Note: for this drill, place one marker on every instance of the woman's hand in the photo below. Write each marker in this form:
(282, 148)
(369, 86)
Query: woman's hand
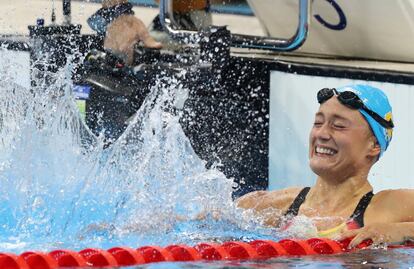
(124, 32)
(381, 233)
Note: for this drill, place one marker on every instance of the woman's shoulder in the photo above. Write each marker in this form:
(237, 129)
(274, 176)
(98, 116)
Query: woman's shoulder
(394, 194)
(260, 200)
(393, 204)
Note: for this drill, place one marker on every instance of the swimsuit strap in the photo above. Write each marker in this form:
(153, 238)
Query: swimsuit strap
(358, 215)
(294, 207)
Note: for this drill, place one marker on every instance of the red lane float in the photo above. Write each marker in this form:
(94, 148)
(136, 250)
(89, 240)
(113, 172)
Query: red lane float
(125, 256)
(68, 258)
(96, 257)
(39, 260)
(184, 253)
(11, 261)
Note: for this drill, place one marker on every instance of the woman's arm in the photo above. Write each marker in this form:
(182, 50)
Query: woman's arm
(380, 233)
(269, 205)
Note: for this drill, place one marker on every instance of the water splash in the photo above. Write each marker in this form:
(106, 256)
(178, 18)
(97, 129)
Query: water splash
(60, 187)
(44, 156)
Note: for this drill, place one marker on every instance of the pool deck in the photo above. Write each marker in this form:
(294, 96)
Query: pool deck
(16, 15)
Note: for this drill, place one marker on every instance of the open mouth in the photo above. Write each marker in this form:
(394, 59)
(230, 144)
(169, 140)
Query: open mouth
(325, 151)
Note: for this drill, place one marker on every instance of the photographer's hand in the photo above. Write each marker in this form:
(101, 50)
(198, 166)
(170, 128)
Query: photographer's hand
(124, 32)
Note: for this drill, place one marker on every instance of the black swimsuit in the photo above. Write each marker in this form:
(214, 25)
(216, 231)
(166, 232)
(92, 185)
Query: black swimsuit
(357, 216)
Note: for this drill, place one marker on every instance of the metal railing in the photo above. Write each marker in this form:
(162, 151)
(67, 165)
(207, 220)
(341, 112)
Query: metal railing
(238, 40)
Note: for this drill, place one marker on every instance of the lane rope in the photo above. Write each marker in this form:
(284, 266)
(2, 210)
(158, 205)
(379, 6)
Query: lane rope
(126, 256)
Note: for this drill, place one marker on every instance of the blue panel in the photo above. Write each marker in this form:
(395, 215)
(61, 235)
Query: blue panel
(81, 91)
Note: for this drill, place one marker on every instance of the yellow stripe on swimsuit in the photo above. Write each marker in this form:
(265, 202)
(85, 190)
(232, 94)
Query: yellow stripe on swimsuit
(332, 231)
(350, 224)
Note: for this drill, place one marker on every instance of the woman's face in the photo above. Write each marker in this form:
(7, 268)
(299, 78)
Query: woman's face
(341, 142)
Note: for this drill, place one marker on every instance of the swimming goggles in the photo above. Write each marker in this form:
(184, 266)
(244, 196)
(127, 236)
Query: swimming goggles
(352, 100)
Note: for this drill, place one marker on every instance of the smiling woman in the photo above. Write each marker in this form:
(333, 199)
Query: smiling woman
(351, 130)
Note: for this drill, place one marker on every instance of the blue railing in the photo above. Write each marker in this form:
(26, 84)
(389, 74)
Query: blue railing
(237, 40)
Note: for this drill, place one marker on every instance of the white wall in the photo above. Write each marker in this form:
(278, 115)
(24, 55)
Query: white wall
(292, 107)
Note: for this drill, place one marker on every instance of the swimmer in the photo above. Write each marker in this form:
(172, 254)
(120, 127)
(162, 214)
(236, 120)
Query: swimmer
(351, 131)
